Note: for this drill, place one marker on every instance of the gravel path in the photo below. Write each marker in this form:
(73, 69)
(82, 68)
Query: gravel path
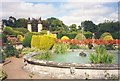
(14, 69)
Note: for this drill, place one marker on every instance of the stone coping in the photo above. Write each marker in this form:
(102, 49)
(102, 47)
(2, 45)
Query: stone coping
(28, 58)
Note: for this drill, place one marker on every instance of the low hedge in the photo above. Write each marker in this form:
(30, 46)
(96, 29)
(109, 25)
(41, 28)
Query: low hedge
(88, 34)
(71, 36)
(10, 31)
(23, 30)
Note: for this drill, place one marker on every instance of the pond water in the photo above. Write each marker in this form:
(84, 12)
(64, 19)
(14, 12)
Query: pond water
(73, 57)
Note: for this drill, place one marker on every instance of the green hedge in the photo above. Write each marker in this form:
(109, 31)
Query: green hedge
(71, 36)
(116, 35)
(27, 40)
(9, 31)
(88, 34)
(23, 30)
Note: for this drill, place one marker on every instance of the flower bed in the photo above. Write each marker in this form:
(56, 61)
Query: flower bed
(88, 41)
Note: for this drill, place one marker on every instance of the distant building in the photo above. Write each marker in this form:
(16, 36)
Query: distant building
(34, 26)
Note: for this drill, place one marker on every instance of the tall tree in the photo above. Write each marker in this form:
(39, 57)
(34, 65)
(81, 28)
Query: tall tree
(111, 27)
(21, 22)
(73, 27)
(10, 22)
(89, 26)
(79, 28)
(55, 24)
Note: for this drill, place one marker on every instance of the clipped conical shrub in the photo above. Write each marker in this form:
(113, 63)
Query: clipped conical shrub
(79, 36)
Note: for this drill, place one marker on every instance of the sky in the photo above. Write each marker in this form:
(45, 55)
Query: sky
(69, 11)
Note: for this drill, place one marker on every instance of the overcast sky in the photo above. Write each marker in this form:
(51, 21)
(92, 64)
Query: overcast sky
(69, 11)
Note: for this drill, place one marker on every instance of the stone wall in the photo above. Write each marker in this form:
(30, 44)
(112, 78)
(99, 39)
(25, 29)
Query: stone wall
(67, 70)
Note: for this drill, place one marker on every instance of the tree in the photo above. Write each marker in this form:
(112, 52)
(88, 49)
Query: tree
(73, 27)
(111, 27)
(89, 26)
(79, 28)
(21, 22)
(10, 22)
(55, 24)
(45, 25)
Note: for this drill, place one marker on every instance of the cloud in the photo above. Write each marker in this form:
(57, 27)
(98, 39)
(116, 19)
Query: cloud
(81, 11)
(69, 12)
(93, 0)
(60, 0)
(12, 1)
(22, 9)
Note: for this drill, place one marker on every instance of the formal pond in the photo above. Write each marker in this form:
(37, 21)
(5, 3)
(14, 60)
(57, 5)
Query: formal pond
(74, 57)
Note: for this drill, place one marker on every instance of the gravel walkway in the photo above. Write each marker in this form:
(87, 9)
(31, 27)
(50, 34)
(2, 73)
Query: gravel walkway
(14, 69)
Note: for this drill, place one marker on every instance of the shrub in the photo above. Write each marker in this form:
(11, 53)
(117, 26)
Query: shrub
(35, 42)
(4, 38)
(3, 74)
(16, 33)
(44, 55)
(64, 38)
(43, 32)
(2, 56)
(28, 37)
(61, 48)
(10, 31)
(74, 46)
(116, 35)
(23, 30)
(88, 34)
(36, 33)
(110, 47)
(43, 42)
(70, 35)
(106, 36)
(20, 38)
(27, 40)
(27, 50)
(11, 51)
(101, 56)
(79, 36)
(52, 35)
(0, 36)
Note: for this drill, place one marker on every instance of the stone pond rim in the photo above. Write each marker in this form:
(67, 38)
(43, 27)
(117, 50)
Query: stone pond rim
(28, 58)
